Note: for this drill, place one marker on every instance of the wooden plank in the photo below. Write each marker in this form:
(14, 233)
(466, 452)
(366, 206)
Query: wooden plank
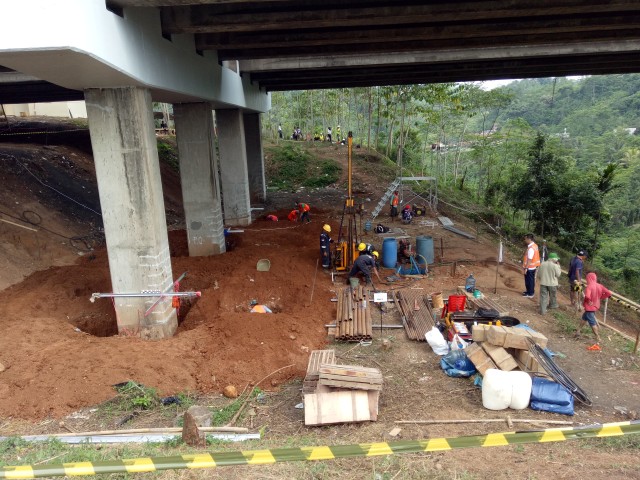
(337, 407)
(352, 370)
(346, 379)
(319, 357)
(330, 382)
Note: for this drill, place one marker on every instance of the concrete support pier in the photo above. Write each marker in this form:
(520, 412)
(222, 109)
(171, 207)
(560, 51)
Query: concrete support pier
(233, 167)
(128, 172)
(199, 178)
(255, 158)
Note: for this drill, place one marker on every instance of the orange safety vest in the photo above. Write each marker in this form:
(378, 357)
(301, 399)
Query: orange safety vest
(535, 261)
(293, 215)
(304, 207)
(394, 201)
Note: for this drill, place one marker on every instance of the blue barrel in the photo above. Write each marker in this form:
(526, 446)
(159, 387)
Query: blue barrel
(367, 226)
(424, 249)
(389, 253)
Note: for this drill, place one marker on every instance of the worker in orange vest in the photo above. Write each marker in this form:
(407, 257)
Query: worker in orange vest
(394, 205)
(304, 209)
(530, 264)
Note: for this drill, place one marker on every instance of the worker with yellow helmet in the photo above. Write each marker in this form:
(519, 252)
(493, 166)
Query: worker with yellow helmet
(365, 248)
(325, 246)
(364, 265)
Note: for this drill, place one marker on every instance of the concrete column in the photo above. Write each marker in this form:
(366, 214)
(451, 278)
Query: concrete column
(233, 167)
(255, 158)
(199, 178)
(128, 172)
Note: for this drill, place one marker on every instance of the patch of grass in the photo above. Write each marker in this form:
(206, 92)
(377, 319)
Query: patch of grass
(328, 173)
(566, 323)
(623, 442)
(225, 414)
(168, 154)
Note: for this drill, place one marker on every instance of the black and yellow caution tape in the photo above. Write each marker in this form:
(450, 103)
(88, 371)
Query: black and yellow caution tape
(302, 454)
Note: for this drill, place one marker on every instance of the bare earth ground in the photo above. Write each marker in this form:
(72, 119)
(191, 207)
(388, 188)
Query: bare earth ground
(56, 375)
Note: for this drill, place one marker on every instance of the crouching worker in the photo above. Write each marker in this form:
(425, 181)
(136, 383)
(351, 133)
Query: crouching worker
(363, 266)
(293, 215)
(592, 296)
(325, 246)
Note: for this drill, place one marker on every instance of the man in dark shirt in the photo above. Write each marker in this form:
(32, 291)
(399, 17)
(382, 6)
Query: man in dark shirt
(575, 277)
(364, 265)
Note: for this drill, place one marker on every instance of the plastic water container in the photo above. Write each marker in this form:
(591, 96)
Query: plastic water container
(389, 253)
(424, 249)
(502, 390)
(367, 226)
(470, 284)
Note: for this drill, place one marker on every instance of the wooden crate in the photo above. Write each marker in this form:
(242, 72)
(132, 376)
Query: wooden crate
(350, 377)
(317, 358)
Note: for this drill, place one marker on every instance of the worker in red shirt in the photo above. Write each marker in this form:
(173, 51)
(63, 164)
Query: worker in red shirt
(304, 209)
(293, 215)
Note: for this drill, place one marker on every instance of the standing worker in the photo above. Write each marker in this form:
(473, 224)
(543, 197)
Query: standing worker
(329, 134)
(364, 265)
(549, 274)
(325, 246)
(304, 209)
(592, 296)
(394, 205)
(279, 131)
(530, 264)
(575, 277)
(338, 133)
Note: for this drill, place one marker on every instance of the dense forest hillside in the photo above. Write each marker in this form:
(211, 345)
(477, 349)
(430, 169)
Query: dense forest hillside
(556, 156)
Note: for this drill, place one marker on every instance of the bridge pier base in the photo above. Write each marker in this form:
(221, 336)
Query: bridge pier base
(128, 173)
(199, 178)
(233, 167)
(255, 158)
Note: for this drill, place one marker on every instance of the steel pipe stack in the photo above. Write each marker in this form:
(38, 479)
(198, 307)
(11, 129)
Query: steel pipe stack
(417, 316)
(353, 317)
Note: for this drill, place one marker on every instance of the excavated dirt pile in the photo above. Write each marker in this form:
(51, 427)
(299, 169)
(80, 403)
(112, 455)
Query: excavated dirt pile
(59, 346)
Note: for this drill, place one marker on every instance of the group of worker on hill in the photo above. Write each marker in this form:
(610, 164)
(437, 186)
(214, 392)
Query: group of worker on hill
(318, 136)
(545, 266)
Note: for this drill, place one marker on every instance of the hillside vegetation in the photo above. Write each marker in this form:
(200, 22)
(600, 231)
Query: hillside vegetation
(557, 156)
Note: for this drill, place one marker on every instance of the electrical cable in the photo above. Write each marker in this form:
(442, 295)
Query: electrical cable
(559, 375)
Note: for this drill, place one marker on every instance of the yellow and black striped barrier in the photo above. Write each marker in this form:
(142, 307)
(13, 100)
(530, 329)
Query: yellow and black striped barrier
(302, 454)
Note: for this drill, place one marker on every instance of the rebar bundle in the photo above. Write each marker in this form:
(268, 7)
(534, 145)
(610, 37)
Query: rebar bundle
(417, 316)
(557, 374)
(353, 317)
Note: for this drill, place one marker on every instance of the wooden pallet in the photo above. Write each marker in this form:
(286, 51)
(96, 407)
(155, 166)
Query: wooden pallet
(317, 358)
(483, 302)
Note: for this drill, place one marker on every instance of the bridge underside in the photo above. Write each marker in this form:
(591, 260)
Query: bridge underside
(304, 44)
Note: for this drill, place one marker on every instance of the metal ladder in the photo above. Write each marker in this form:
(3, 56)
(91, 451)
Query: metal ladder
(385, 198)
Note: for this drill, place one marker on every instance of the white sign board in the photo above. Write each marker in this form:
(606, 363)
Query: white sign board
(380, 297)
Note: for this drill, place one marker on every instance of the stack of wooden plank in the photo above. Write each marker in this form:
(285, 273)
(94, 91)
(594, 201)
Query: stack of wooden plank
(504, 348)
(353, 315)
(417, 316)
(339, 393)
(483, 302)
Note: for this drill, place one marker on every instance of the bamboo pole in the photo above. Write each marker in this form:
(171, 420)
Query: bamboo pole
(132, 431)
(483, 420)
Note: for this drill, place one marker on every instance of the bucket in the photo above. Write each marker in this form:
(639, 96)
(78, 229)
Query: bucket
(367, 226)
(436, 300)
(354, 282)
(389, 253)
(424, 248)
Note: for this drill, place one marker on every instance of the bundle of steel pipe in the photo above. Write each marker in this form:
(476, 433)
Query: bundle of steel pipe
(353, 317)
(416, 312)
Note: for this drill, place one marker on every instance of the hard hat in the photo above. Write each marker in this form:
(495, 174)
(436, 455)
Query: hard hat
(554, 256)
(327, 228)
(361, 247)
(376, 254)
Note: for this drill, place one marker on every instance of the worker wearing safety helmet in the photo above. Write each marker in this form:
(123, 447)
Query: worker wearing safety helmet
(376, 257)
(325, 249)
(365, 248)
(364, 265)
